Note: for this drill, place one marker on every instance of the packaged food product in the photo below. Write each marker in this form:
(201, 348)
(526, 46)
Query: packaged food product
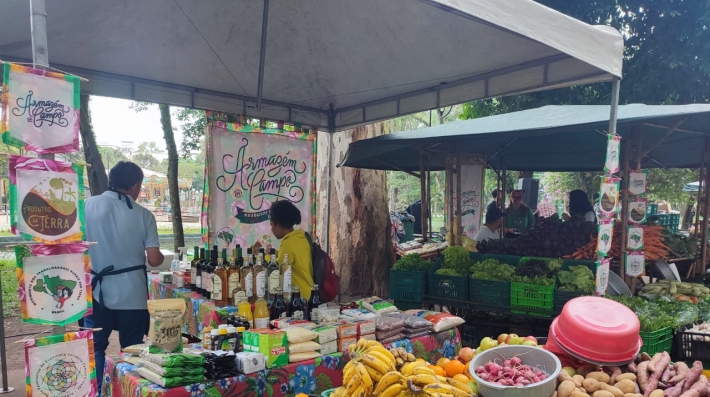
(388, 323)
(303, 347)
(135, 349)
(382, 335)
(166, 320)
(271, 343)
(359, 314)
(298, 357)
(249, 363)
(170, 371)
(173, 360)
(415, 334)
(377, 305)
(286, 322)
(329, 348)
(343, 344)
(412, 322)
(441, 321)
(366, 327)
(368, 337)
(347, 331)
(392, 339)
(169, 382)
(326, 334)
(299, 334)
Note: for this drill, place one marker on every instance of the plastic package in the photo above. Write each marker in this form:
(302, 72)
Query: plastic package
(173, 360)
(298, 335)
(166, 320)
(347, 331)
(326, 334)
(416, 333)
(303, 347)
(298, 357)
(220, 364)
(171, 372)
(343, 344)
(377, 305)
(360, 314)
(286, 322)
(382, 335)
(369, 336)
(366, 327)
(384, 324)
(169, 382)
(441, 321)
(328, 315)
(249, 363)
(392, 339)
(329, 348)
(412, 322)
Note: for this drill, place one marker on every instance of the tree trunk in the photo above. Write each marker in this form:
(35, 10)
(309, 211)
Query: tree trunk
(178, 234)
(96, 172)
(360, 236)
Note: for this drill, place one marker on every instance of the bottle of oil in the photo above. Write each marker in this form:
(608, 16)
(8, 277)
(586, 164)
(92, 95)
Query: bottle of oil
(233, 284)
(247, 275)
(261, 312)
(193, 269)
(286, 278)
(260, 277)
(244, 311)
(220, 289)
(273, 274)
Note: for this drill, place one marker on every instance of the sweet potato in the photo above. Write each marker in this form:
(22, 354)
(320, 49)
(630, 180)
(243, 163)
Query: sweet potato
(652, 365)
(660, 366)
(615, 371)
(675, 391)
(631, 367)
(698, 389)
(693, 375)
(681, 370)
(645, 357)
(642, 374)
(565, 389)
(666, 375)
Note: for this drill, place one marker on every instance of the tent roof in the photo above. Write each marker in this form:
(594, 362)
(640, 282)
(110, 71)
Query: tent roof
(370, 59)
(550, 138)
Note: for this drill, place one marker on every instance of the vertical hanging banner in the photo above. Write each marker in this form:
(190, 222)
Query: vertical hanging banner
(249, 168)
(611, 165)
(635, 263)
(609, 197)
(40, 110)
(61, 365)
(638, 182)
(602, 280)
(54, 282)
(637, 210)
(606, 234)
(634, 238)
(46, 200)
(472, 177)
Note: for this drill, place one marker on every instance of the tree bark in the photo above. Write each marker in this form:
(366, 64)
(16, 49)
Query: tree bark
(96, 172)
(360, 236)
(178, 233)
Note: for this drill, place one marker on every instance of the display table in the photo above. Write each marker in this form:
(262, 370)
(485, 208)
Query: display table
(310, 377)
(199, 313)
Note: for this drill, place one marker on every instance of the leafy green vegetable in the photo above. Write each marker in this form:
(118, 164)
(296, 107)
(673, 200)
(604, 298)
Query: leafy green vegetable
(657, 314)
(577, 279)
(448, 272)
(458, 259)
(537, 280)
(492, 269)
(537, 271)
(412, 262)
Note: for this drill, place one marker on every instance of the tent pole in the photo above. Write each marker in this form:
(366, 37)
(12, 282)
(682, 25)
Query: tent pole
(428, 198)
(701, 186)
(625, 156)
(614, 111)
(459, 228)
(706, 213)
(262, 54)
(423, 194)
(328, 177)
(450, 215)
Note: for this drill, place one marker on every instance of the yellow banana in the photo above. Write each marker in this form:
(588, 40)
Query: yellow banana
(375, 375)
(375, 363)
(408, 368)
(459, 385)
(424, 380)
(383, 351)
(394, 352)
(447, 389)
(398, 362)
(410, 357)
(422, 371)
(348, 372)
(365, 378)
(352, 348)
(353, 383)
(359, 391)
(393, 390)
(388, 380)
(362, 344)
(434, 394)
(385, 359)
(441, 378)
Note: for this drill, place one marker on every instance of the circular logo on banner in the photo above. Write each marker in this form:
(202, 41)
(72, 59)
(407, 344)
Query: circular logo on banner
(63, 285)
(50, 207)
(60, 375)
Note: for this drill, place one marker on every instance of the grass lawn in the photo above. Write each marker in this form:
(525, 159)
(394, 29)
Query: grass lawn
(10, 298)
(185, 231)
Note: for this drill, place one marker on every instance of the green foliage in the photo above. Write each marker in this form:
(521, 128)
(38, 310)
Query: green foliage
(448, 272)
(658, 314)
(457, 259)
(492, 269)
(412, 262)
(577, 279)
(537, 271)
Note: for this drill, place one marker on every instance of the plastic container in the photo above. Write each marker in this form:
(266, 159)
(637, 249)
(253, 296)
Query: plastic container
(692, 345)
(657, 341)
(490, 293)
(533, 300)
(447, 286)
(531, 355)
(327, 393)
(408, 231)
(407, 285)
(597, 330)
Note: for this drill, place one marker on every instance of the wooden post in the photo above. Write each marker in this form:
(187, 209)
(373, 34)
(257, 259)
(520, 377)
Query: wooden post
(422, 182)
(706, 207)
(459, 228)
(428, 198)
(450, 189)
(625, 155)
(701, 187)
(504, 182)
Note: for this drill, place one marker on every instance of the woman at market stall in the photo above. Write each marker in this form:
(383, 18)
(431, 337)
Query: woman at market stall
(580, 207)
(490, 230)
(294, 243)
(518, 216)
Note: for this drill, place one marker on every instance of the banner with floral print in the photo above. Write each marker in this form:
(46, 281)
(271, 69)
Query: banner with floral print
(309, 377)
(61, 365)
(54, 282)
(46, 200)
(248, 168)
(40, 110)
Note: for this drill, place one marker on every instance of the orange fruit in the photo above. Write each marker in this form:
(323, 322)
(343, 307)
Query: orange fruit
(443, 362)
(454, 367)
(438, 370)
(461, 378)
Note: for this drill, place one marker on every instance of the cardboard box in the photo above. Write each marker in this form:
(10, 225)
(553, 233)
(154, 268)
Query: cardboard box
(270, 343)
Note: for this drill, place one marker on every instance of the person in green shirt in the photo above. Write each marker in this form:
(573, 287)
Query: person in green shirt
(518, 216)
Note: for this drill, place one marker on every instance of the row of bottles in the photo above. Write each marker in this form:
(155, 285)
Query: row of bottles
(233, 280)
(297, 308)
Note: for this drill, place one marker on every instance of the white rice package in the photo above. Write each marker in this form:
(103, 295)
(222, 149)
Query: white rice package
(377, 305)
(303, 347)
(299, 334)
(441, 321)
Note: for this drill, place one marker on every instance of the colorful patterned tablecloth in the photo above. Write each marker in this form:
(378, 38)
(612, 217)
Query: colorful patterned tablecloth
(200, 312)
(310, 377)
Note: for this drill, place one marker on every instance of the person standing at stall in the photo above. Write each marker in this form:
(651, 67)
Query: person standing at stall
(125, 235)
(518, 216)
(493, 203)
(580, 207)
(294, 243)
(491, 229)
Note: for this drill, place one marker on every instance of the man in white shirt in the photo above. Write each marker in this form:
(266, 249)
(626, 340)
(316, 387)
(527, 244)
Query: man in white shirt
(490, 230)
(126, 234)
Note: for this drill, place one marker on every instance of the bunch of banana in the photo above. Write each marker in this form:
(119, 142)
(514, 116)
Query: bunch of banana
(401, 356)
(417, 380)
(369, 362)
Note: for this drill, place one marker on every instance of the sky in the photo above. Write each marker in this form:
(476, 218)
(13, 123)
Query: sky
(114, 121)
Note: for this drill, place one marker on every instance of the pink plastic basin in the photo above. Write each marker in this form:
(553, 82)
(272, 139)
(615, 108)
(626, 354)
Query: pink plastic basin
(597, 329)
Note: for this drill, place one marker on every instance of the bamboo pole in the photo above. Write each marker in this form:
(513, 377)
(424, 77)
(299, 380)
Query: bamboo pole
(625, 155)
(459, 228)
(422, 183)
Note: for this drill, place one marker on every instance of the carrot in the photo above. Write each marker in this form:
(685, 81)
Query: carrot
(693, 375)
(698, 389)
(656, 358)
(681, 370)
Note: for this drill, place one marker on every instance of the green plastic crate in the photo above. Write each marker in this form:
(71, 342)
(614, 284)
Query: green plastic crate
(407, 285)
(562, 297)
(657, 341)
(447, 286)
(533, 300)
(490, 293)
(402, 305)
(511, 260)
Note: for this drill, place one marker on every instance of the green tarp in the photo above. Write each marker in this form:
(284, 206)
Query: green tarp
(550, 138)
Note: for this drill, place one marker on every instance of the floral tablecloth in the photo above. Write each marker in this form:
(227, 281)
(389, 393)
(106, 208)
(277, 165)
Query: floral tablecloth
(310, 377)
(200, 312)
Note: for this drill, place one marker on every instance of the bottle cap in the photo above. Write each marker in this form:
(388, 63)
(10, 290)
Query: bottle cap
(232, 330)
(241, 329)
(223, 331)
(214, 332)
(223, 326)
(315, 286)
(295, 288)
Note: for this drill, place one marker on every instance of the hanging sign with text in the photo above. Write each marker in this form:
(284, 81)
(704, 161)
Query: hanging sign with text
(471, 197)
(40, 110)
(248, 169)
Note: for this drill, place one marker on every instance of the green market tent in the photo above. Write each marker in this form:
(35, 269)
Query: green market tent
(550, 138)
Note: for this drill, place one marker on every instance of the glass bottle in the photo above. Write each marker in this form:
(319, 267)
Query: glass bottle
(297, 306)
(233, 284)
(247, 276)
(278, 307)
(261, 312)
(273, 272)
(244, 311)
(193, 269)
(286, 278)
(214, 340)
(208, 272)
(313, 303)
(260, 277)
(200, 266)
(220, 289)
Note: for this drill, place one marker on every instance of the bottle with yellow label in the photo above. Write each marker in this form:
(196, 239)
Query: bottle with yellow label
(261, 313)
(273, 272)
(244, 311)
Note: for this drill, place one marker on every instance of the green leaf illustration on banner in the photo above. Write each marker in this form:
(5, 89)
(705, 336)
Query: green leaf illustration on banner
(212, 392)
(323, 382)
(419, 348)
(272, 380)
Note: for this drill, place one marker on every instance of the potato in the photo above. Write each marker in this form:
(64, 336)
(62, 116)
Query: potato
(563, 376)
(599, 377)
(591, 385)
(629, 394)
(565, 389)
(629, 376)
(602, 393)
(657, 393)
(579, 394)
(613, 390)
(626, 386)
(554, 394)
(578, 380)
